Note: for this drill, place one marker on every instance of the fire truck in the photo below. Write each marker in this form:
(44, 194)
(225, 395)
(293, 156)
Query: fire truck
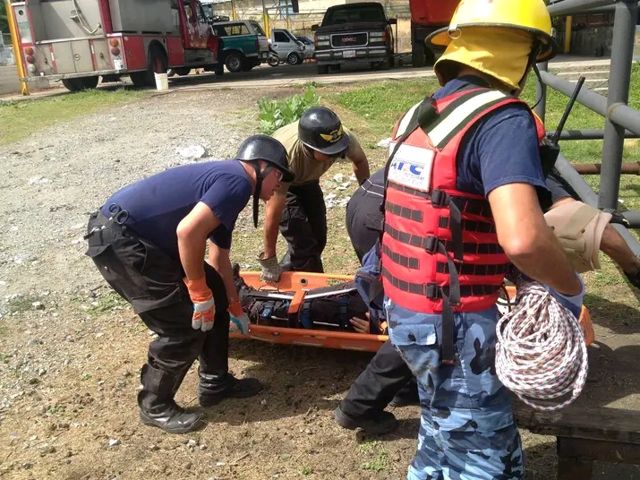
(79, 41)
(427, 16)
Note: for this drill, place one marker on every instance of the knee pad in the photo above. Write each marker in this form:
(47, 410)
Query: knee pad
(579, 227)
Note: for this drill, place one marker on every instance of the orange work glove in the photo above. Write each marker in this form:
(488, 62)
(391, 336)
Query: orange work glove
(204, 308)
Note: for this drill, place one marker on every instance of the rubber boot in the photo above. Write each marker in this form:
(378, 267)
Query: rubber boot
(215, 388)
(157, 406)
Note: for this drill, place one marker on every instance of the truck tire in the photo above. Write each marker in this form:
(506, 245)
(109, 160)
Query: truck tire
(418, 55)
(82, 83)
(157, 63)
(294, 59)
(234, 61)
(323, 69)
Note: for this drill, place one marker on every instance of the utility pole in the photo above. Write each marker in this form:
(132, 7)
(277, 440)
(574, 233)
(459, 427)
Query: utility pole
(265, 20)
(17, 51)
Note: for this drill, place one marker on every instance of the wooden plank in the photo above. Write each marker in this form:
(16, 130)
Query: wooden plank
(607, 424)
(610, 452)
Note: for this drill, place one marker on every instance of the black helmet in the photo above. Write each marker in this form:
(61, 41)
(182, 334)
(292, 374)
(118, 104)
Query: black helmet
(320, 129)
(264, 147)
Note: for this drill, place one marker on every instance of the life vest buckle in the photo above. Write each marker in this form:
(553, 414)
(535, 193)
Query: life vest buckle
(439, 198)
(431, 243)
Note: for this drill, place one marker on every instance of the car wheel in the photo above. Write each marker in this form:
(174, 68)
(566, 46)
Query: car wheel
(234, 62)
(293, 59)
(323, 69)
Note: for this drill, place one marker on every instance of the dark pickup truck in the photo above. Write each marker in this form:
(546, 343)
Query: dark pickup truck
(354, 33)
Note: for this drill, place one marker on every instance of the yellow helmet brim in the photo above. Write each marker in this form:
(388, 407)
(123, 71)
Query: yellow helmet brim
(443, 37)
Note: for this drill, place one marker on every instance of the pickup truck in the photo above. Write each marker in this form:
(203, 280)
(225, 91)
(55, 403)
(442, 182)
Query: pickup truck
(244, 44)
(354, 33)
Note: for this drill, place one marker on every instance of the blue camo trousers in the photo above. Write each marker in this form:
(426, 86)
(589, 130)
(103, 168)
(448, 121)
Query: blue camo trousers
(467, 430)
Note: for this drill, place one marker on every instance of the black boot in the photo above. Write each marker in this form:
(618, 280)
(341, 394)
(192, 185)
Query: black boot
(215, 388)
(634, 278)
(157, 407)
(378, 424)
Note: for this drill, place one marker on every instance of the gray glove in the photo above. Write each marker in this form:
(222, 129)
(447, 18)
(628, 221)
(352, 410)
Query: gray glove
(271, 269)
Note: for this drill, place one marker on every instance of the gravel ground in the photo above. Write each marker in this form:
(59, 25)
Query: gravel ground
(70, 351)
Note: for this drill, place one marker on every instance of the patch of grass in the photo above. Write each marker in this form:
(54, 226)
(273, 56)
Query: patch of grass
(21, 118)
(20, 303)
(107, 302)
(306, 471)
(380, 105)
(378, 458)
(278, 113)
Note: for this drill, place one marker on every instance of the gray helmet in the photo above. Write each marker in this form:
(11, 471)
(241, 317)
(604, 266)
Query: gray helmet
(320, 129)
(264, 147)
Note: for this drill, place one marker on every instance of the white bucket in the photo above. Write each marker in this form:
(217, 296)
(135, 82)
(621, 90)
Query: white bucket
(162, 81)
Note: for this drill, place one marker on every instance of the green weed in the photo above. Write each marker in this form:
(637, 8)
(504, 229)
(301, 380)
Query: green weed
(307, 471)
(278, 113)
(380, 459)
(20, 303)
(107, 302)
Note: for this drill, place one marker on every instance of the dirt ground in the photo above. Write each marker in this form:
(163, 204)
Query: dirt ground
(70, 351)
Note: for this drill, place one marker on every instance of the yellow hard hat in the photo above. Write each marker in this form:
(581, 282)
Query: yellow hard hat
(527, 15)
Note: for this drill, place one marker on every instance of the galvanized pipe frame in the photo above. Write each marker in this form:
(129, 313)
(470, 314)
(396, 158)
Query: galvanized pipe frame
(619, 117)
(590, 134)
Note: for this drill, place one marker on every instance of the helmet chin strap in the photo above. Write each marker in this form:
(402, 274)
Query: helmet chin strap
(260, 175)
(256, 193)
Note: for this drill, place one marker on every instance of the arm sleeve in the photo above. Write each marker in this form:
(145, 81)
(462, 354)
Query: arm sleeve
(507, 150)
(227, 197)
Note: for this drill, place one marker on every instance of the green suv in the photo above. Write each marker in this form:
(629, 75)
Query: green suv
(244, 44)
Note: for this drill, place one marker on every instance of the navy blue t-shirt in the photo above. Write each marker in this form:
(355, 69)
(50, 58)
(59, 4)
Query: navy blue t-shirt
(157, 204)
(500, 149)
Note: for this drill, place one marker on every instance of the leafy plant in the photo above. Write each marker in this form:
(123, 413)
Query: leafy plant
(278, 113)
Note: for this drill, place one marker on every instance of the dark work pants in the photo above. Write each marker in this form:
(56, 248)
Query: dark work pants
(152, 282)
(178, 345)
(385, 375)
(304, 227)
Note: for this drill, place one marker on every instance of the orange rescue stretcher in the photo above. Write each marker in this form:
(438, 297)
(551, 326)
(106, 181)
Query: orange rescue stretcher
(300, 283)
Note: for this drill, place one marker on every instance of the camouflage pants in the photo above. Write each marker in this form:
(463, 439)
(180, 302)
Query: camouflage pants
(467, 430)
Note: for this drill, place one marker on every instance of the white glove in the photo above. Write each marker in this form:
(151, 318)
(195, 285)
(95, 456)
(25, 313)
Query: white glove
(203, 315)
(271, 269)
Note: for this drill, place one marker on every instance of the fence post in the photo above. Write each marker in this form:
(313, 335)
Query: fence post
(619, 79)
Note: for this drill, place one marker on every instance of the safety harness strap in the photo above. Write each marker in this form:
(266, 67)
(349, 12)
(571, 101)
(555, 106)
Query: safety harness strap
(433, 291)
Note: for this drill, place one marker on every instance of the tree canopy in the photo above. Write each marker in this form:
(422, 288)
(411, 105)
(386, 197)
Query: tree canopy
(4, 26)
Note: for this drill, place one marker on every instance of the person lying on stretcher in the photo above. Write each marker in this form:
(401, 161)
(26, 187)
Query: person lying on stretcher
(338, 307)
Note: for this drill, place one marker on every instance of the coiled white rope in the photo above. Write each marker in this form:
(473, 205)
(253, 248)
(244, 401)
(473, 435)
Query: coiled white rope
(541, 353)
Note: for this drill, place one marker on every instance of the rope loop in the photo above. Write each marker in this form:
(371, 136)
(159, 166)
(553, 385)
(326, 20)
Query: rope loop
(541, 354)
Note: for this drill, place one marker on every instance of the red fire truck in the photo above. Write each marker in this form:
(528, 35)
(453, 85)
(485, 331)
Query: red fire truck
(79, 41)
(426, 17)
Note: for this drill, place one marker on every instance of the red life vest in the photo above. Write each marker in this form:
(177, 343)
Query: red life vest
(439, 244)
